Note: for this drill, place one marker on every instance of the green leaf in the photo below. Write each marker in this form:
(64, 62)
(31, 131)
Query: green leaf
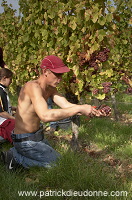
(109, 3)
(100, 96)
(83, 29)
(102, 20)
(109, 72)
(64, 20)
(25, 38)
(95, 18)
(77, 44)
(124, 41)
(87, 15)
(111, 9)
(60, 38)
(38, 21)
(33, 45)
(28, 18)
(94, 47)
(109, 17)
(36, 34)
(76, 70)
(45, 15)
(19, 57)
(51, 15)
(100, 37)
(44, 34)
(73, 25)
(102, 32)
(80, 85)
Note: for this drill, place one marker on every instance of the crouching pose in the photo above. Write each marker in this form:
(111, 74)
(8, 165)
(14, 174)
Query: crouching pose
(30, 148)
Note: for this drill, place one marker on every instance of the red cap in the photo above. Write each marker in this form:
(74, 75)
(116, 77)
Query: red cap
(55, 64)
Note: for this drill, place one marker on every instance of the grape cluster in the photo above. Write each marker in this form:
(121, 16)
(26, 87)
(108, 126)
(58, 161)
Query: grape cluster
(93, 62)
(106, 90)
(103, 55)
(104, 109)
(95, 91)
(106, 87)
(106, 84)
(129, 90)
(96, 57)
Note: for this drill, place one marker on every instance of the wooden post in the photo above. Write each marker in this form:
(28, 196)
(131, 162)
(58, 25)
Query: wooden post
(114, 105)
(75, 132)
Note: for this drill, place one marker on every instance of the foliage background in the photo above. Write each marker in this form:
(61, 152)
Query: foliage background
(67, 28)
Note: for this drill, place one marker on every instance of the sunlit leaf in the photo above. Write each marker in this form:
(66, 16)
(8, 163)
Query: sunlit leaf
(102, 20)
(95, 17)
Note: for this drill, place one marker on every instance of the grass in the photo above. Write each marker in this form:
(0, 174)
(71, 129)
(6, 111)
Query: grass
(102, 163)
(124, 103)
(107, 134)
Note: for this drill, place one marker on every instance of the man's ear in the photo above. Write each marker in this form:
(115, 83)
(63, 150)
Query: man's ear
(46, 71)
(43, 70)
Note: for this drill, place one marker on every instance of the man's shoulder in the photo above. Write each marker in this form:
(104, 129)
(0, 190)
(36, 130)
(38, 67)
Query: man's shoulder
(32, 87)
(32, 84)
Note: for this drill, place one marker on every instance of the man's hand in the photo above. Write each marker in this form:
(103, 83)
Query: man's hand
(89, 110)
(95, 112)
(104, 110)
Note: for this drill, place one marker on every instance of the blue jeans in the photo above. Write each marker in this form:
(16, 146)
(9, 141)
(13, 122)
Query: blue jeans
(32, 153)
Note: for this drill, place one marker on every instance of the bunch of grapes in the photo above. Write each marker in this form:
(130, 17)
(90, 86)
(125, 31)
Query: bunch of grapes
(104, 109)
(94, 64)
(95, 91)
(106, 86)
(106, 90)
(103, 55)
(96, 57)
(129, 90)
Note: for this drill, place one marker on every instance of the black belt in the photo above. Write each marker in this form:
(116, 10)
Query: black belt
(37, 136)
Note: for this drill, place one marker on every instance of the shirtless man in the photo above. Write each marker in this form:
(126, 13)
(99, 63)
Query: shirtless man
(30, 149)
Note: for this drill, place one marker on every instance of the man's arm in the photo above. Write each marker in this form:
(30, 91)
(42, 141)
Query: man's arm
(61, 101)
(46, 115)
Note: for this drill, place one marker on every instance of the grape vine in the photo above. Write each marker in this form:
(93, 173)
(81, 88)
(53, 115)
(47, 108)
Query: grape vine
(78, 33)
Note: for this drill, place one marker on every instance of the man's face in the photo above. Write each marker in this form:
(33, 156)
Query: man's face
(54, 78)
